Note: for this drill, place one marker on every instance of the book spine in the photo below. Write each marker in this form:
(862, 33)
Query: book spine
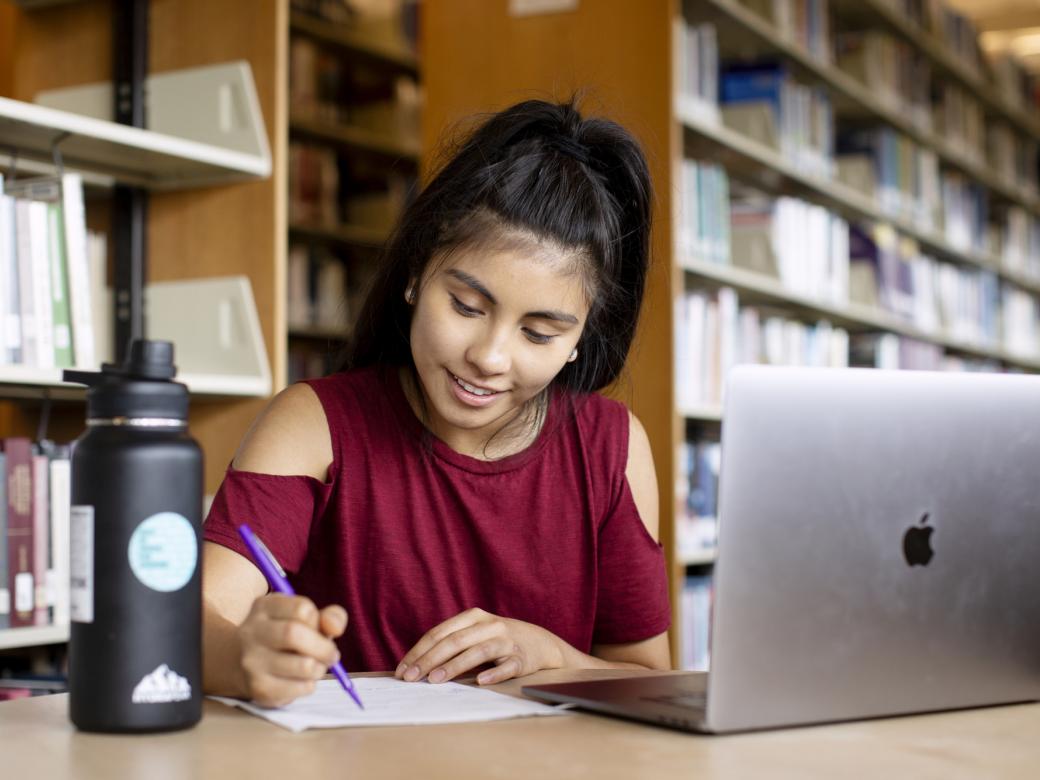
(78, 273)
(41, 538)
(23, 233)
(63, 357)
(60, 503)
(18, 452)
(5, 592)
(41, 284)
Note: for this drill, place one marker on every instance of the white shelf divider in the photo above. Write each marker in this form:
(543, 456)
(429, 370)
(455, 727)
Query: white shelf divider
(32, 636)
(127, 154)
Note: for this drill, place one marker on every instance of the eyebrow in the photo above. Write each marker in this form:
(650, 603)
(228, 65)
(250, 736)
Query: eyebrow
(545, 314)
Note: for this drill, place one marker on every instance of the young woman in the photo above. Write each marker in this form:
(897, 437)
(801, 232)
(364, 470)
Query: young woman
(458, 488)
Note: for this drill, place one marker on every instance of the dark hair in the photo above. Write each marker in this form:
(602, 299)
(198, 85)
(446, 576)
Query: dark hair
(537, 168)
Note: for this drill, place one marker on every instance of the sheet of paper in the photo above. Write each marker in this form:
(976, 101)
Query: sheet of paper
(391, 702)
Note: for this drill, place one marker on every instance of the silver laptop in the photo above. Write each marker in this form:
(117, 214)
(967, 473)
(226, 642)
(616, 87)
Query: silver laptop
(879, 554)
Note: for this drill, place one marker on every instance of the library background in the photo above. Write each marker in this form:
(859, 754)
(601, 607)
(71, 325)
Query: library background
(839, 182)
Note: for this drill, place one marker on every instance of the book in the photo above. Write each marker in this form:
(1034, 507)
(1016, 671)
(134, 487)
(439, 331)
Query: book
(83, 299)
(5, 592)
(41, 538)
(60, 310)
(60, 506)
(20, 554)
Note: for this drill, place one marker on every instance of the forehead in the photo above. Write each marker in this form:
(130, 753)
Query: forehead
(526, 275)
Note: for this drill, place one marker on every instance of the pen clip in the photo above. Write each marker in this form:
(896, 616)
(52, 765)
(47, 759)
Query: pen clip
(267, 554)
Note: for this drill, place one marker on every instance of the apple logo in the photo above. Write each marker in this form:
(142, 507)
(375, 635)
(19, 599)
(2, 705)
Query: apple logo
(917, 543)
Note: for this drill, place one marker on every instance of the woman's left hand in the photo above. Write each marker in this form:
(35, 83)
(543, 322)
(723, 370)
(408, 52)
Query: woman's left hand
(476, 637)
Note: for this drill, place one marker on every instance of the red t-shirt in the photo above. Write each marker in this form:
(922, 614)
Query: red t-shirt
(406, 532)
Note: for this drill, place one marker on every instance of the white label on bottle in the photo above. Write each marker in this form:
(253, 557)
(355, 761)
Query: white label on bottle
(81, 564)
(24, 595)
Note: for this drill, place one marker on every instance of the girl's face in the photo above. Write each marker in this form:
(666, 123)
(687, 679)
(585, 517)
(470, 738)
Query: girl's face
(490, 330)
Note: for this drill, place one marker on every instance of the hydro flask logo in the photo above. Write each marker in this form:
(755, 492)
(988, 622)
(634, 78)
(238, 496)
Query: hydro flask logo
(161, 686)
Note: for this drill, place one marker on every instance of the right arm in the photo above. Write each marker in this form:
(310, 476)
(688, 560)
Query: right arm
(269, 647)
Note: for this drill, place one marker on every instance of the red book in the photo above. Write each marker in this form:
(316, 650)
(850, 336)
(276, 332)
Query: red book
(18, 474)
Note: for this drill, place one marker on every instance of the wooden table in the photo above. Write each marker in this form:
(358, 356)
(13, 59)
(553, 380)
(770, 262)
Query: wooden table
(37, 742)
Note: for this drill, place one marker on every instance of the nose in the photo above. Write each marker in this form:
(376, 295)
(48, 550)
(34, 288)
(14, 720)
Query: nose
(489, 355)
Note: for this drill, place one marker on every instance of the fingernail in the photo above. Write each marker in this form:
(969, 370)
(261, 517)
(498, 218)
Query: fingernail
(400, 669)
(437, 675)
(412, 673)
(484, 677)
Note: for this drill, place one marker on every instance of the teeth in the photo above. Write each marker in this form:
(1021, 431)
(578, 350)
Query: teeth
(471, 389)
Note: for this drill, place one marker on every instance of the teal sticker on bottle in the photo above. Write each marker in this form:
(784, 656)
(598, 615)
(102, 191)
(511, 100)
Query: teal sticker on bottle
(163, 551)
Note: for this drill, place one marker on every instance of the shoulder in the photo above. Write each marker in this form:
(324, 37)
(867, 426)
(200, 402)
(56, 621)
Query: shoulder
(641, 475)
(290, 437)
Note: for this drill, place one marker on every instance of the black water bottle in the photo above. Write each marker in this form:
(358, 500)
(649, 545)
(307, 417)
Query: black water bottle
(135, 652)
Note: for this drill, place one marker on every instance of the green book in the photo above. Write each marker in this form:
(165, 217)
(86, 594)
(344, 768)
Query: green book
(63, 352)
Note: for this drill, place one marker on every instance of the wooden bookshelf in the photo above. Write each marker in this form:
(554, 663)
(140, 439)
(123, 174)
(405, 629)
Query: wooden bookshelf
(343, 235)
(391, 55)
(356, 139)
(755, 162)
(877, 12)
(382, 59)
(756, 287)
(844, 87)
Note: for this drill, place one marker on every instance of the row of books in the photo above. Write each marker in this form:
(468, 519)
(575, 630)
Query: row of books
(697, 496)
(714, 333)
(317, 289)
(327, 189)
(804, 22)
(763, 101)
(817, 254)
(311, 359)
(695, 626)
(322, 86)
(50, 269)
(952, 29)
(389, 22)
(893, 70)
(35, 499)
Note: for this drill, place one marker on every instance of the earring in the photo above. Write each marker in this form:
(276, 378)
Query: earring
(409, 294)
(573, 356)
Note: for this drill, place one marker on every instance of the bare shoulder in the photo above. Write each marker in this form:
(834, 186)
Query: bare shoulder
(290, 437)
(642, 477)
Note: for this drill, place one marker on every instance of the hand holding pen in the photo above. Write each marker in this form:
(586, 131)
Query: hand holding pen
(275, 576)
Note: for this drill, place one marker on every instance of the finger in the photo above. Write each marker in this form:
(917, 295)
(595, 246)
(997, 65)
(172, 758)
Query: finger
(506, 670)
(493, 648)
(296, 637)
(287, 666)
(281, 607)
(436, 634)
(333, 620)
(448, 647)
(270, 691)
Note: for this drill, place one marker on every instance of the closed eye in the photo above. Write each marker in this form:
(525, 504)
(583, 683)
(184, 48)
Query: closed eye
(536, 337)
(463, 309)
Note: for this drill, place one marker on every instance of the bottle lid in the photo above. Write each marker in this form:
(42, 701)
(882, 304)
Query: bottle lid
(140, 388)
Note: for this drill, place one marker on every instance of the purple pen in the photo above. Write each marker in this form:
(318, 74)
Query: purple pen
(276, 577)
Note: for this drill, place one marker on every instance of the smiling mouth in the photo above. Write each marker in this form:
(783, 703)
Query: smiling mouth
(474, 389)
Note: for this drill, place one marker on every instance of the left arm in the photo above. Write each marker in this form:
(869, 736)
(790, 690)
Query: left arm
(475, 637)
